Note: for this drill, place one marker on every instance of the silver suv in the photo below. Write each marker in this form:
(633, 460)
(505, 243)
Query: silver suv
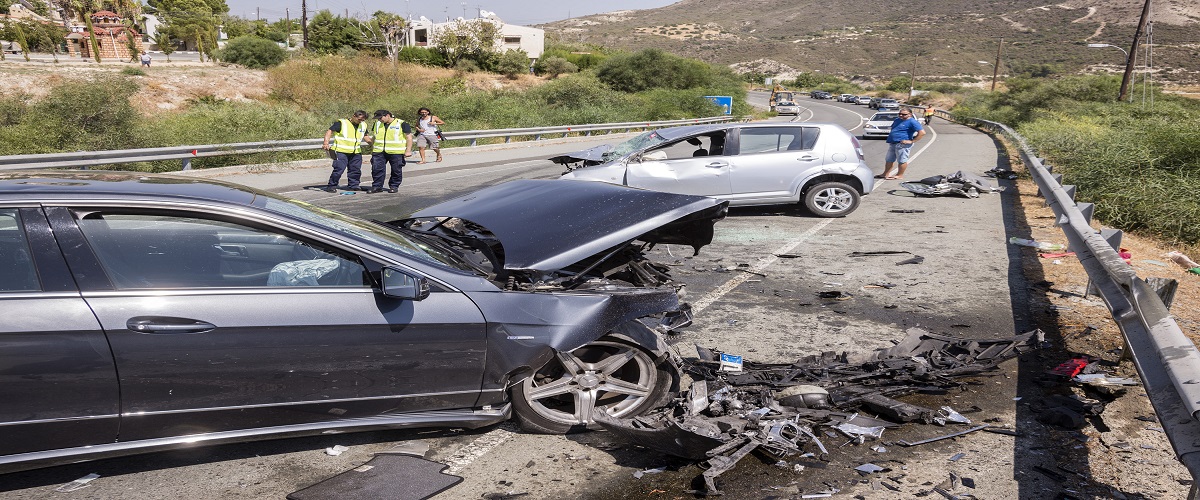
(889, 104)
(818, 164)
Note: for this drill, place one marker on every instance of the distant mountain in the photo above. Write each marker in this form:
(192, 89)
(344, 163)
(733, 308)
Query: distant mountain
(941, 39)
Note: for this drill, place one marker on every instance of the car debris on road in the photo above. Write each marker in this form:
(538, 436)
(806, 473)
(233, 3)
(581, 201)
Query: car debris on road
(959, 183)
(775, 408)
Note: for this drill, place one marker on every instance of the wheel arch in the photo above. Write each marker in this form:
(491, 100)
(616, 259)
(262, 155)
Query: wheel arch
(849, 180)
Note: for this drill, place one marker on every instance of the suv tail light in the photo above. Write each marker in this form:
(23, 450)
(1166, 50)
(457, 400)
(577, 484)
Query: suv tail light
(858, 148)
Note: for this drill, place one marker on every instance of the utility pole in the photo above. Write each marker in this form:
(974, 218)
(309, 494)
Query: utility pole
(258, 13)
(996, 67)
(304, 22)
(1137, 37)
(912, 81)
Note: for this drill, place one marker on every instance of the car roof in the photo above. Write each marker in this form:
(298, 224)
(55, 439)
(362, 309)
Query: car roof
(672, 133)
(94, 184)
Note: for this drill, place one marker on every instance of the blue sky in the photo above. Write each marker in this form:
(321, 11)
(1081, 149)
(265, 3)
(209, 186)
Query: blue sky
(523, 12)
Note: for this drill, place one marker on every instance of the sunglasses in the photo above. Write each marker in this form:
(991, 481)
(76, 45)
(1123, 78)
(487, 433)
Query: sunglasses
(905, 114)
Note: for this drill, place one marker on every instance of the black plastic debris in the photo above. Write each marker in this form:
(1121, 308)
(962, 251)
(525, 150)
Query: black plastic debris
(916, 259)
(779, 410)
(385, 477)
(959, 184)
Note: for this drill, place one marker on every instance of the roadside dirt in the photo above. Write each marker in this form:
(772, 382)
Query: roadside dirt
(1122, 453)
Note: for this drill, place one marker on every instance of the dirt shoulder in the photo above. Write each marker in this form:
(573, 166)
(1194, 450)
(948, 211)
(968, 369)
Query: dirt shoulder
(164, 87)
(1122, 452)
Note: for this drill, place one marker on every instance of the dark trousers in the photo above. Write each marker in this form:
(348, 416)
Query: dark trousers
(379, 164)
(351, 163)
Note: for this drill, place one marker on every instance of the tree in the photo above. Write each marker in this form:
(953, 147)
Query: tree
(328, 34)
(253, 52)
(513, 62)
(131, 44)
(19, 36)
(165, 44)
(193, 21)
(555, 66)
(652, 68)
(385, 31)
(474, 39)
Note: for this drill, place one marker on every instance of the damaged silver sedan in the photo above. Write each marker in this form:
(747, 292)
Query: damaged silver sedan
(819, 165)
(190, 312)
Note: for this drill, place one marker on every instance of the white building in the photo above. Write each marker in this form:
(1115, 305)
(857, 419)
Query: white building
(531, 40)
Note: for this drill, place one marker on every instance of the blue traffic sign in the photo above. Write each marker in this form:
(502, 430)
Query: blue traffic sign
(724, 101)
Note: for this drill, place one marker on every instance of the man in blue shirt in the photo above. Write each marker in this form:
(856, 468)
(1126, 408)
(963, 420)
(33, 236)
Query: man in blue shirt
(906, 131)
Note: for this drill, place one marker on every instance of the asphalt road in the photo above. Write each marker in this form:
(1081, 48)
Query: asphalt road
(748, 300)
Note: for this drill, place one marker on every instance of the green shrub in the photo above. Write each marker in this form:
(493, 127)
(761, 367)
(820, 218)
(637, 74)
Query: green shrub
(554, 66)
(133, 71)
(513, 63)
(652, 68)
(421, 55)
(253, 52)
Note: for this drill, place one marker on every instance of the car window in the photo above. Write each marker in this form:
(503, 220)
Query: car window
(710, 144)
(141, 250)
(757, 140)
(17, 272)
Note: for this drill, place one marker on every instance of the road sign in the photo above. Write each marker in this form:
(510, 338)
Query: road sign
(724, 101)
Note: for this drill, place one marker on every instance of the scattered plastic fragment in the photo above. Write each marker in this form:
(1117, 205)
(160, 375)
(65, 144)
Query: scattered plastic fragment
(939, 438)
(957, 457)
(869, 468)
(1182, 260)
(916, 259)
(835, 295)
(656, 470)
(950, 415)
(1040, 245)
(907, 211)
(78, 483)
(335, 450)
(731, 363)
(1070, 367)
(854, 431)
(1103, 379)
(879, 448)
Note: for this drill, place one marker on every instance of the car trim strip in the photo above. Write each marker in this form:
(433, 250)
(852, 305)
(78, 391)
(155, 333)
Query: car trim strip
(292, 403)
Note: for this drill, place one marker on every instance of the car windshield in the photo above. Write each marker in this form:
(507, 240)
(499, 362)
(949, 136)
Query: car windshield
(888, 101)
(787, 104)
(884, 117)
(642, 141)
(377, 234)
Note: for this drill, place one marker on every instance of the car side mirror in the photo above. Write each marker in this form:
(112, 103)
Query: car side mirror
(400, 285)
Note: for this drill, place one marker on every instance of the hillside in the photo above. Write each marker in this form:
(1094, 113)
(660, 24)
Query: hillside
(943, 39)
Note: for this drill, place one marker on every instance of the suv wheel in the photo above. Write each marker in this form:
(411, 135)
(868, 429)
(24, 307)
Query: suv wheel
(607, 375)
(831, 199)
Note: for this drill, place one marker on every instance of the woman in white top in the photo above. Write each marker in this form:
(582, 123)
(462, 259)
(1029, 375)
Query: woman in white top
(427, 133)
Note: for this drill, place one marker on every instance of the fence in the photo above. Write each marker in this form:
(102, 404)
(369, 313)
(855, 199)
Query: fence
(185, 154)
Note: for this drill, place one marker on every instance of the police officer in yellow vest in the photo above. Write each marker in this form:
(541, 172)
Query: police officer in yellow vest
(393, 142)
(348, 136)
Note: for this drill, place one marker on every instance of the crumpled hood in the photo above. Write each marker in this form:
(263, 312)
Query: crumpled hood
(547, 225)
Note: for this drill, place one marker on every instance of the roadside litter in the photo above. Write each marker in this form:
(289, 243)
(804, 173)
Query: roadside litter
(1183, 260)
(959, 184)
(1040, 245)
(779, 410)
(77, 484)
(1002, 173)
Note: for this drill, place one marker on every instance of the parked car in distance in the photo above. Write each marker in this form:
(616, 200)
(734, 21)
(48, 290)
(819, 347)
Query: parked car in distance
(819, 94)
(787, 108)
(862, 99)
(879, 125)
(888, 104)
(160, 311)
(769, 163)
(874, 102)
(845, 97)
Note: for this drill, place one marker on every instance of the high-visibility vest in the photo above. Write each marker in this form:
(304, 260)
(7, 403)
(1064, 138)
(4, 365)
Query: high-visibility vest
(348, 138)
(928, 111)
(390, 138)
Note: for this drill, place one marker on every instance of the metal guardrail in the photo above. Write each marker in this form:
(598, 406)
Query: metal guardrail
(186, 153)
(1167, 361)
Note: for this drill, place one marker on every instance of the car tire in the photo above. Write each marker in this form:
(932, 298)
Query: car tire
(831, 199)
(608, 375)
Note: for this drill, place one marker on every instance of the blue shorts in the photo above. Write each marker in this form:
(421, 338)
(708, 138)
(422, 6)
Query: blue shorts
(897, 152)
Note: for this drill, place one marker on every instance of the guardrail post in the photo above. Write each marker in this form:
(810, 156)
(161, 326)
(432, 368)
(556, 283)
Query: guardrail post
(1087, 209)
(1113, 238)
(1070, 189)
(187, 163)
(474, 142)
(1165, 288)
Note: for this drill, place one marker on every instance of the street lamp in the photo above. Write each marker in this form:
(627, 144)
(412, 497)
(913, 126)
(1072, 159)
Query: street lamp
(1123, 51)
(994, 71)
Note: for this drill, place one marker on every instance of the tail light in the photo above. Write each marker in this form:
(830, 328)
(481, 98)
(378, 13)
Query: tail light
(858, 148)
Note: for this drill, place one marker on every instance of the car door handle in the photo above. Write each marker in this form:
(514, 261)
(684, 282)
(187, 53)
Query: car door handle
(807, 158)
(160, 324)
(231, 250)
(717, 164)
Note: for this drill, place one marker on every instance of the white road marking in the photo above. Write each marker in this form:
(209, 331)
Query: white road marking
(766, 262)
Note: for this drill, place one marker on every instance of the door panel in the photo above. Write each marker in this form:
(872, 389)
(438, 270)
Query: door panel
(771, 161)
(217, 325)
(57, 380)
(696, 165)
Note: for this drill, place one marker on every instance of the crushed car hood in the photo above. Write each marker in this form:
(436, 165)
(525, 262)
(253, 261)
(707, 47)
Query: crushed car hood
(591, 156)
(547, 225)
